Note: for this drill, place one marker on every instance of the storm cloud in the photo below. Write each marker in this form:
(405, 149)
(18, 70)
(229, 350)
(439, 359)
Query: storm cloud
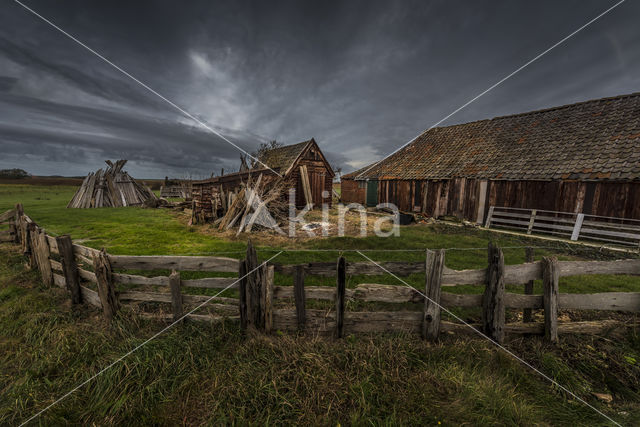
(361, 77)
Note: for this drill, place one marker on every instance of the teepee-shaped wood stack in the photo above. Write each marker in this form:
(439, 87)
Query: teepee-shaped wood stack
(110, 188)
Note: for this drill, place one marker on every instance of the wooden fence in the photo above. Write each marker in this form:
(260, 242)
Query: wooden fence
(574, 226)
(263, 305)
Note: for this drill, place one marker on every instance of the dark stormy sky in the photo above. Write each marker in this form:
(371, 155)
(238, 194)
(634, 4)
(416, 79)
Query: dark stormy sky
(362, 77)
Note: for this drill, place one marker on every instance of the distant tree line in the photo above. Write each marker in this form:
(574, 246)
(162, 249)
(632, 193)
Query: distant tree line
(13, 174)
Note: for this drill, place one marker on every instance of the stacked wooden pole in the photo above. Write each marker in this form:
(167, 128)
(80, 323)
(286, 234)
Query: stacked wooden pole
(112, 187)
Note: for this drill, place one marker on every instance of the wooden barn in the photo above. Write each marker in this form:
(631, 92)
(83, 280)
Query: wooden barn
(299, 164)
(578, 158)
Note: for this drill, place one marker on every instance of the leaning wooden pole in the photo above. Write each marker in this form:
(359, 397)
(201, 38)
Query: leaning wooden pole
(493, 307)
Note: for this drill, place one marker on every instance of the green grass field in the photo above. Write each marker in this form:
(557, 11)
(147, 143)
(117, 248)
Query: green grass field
(211, 374)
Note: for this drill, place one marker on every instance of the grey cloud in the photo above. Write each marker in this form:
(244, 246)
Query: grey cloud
(362, 77)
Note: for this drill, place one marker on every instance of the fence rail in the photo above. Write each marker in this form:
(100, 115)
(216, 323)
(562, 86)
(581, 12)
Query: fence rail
(91, 276)
(575, 226)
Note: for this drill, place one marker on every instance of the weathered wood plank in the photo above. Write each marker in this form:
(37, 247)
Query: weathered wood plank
(433, 281)
(212, 283)
(55, 265)
(493, 308)
(85, 251)
(87, 275)
(197, 317)
(230, 304)
(90, 296)
(131, 279)
(323, 322)
(618, 301)
(341, 282)
(328, 269)
(575, 268)
(178, 263)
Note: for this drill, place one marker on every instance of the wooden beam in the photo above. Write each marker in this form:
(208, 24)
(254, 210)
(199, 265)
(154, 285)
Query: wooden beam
(493, 309)
(306, 187)
(575, 233)
(433, 284)
(341, 281)
(550, 278)
(532, 220)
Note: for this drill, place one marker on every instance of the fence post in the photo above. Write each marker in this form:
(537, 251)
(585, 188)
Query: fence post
(267, 274)
(13, 231)
(40, 249)
(341, 282)
(104, 279)
(176, 295)
(69, 267)
(434, 266)
(528, 287)
(550, 278)
(29, 249)
(18, 223)
(532, 220)
(255, 316)
(299, 296)
(242, 291)
(493, 309)
(576, 228)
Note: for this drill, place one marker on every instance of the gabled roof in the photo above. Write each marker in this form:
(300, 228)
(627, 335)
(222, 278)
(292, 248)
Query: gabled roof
(282, 159)
(592, 140)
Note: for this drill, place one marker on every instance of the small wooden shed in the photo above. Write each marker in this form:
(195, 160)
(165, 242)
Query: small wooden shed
(297, 163)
